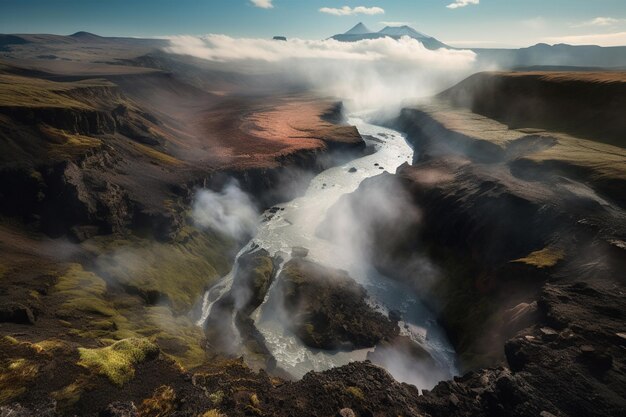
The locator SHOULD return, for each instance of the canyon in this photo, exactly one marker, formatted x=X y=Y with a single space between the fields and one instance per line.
x=476 y=239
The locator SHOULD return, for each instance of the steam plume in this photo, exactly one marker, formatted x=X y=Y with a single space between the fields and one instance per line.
x=230 y=211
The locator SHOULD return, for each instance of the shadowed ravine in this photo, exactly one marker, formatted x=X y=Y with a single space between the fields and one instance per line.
x=295 y=225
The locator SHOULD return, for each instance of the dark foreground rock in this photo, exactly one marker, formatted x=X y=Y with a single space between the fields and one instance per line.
x=329 y=309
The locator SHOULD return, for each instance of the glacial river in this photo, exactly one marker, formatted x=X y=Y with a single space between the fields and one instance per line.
x=295 y=224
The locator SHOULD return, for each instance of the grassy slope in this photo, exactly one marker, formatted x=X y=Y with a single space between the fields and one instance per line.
x=602 y=165
x=36 y=92
x=589 y=105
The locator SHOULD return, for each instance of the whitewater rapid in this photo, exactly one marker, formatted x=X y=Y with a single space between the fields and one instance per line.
x=294 y=223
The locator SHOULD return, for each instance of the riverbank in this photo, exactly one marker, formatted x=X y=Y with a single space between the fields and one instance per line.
x=527 y=237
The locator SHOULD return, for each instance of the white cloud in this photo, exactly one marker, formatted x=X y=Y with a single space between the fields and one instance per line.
x=348 y=11
x=368 y=74
x=225 y=48
x=462 y=3
x=602 y=39
x=601 y=21
x=263 y=4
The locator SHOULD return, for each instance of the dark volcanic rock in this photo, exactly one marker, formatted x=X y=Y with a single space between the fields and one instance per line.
x=16 y=313
x=329 y=308
x=254 y=277
x=299 y=252
x=255 y=272
x=120 y=409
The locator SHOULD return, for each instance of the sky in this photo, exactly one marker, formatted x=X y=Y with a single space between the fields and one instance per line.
x=461 y=23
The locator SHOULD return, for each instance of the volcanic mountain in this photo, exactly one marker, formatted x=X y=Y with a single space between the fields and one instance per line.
x=361 y=32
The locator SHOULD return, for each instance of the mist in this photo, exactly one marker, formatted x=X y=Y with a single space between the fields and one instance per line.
x=229 y=211
x=371 y=74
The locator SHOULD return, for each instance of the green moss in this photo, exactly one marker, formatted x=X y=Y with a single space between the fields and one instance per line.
x=217 y=397
x=52 y=346
x=544 y=258
x=84 y=293
x=138 y=273
x=36 y=92
x=177 y=273
x=117 y=362
x=70 y=394
x=212 y=413
x=64 y=144
x=15 y=377
x=10 y=340
x=356 y=393
x=178 y=336
x=122 y=316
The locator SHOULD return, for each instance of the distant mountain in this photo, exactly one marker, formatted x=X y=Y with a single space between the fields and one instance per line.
x=560 y=55
x=87 y=37
x=402 y=31
x=359 y=29
x=361 y=32
x=9 y=41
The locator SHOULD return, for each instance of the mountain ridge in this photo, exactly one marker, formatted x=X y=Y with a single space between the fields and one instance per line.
x=360 y=32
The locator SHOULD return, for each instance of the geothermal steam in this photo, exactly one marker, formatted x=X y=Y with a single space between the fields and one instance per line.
x=368 y=74
x=230 y=211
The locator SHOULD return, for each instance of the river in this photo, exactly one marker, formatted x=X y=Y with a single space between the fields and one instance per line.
x=295 y=223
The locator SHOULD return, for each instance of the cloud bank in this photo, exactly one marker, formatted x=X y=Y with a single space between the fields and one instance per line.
x=263 y=4
x=349 y=11
x=367 y=74
x=462 y=3
x=602 y=39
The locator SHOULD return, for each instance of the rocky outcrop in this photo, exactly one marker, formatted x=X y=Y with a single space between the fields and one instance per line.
x=568 y=363
x=329 y=309
x=584 y=104
x=229 y=329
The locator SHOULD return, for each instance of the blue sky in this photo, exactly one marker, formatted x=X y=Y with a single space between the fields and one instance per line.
x=488 y=23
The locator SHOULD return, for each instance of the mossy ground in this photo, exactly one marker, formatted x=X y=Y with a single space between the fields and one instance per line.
x=544 y=258
x=143 y=289
x=63 y=144
x=117 y=361
x=213 y=413
x=15 y=376
x=175 y=273
x=23 y=363
x=35 y=92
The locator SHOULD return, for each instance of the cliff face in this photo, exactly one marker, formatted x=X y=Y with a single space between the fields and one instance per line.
x=587 y=105
x=91 y=156
x=526 y=240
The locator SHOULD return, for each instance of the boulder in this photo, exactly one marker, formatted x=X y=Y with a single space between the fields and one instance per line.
x=330 y=310
x=299 y=252
x=16 y=313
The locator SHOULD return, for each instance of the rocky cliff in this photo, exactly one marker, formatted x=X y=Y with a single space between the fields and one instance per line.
x=525 y=242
